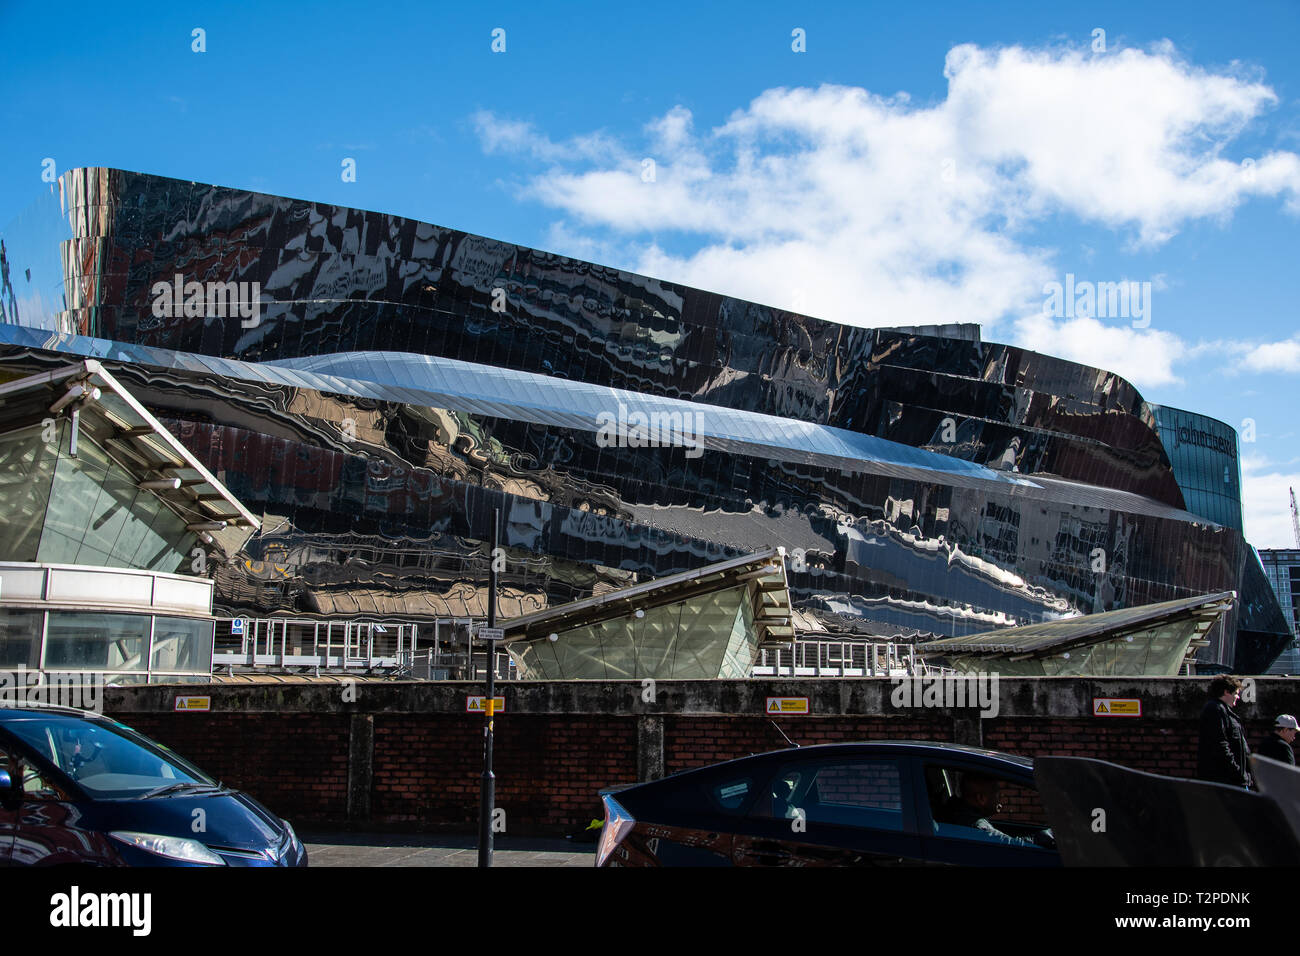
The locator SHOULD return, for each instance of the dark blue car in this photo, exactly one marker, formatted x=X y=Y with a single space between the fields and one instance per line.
x=877 y=803
x=77 y=788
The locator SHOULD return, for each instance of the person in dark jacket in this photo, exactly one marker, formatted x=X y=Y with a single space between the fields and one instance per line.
x=1223 y=753
x=1277 y=745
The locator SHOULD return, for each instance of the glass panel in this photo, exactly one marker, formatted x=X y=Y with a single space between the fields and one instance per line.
x=856 y=793
x=108 y=760
x=182 y=644
x=686 y=640
x=968 y=805
x=26 y=473
x=20 y=633
x=87 y=641
x=98 y=516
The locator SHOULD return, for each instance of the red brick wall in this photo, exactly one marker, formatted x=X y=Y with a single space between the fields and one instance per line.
x=699 y=741
x=427 y=769
x=427 y=766
x=294 y=764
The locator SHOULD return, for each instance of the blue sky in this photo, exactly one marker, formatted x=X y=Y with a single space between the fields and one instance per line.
x=914 y=163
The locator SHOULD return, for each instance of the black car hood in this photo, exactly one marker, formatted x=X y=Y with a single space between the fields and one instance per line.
x=229 y=818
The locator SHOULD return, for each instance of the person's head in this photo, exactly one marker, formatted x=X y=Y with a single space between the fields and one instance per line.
x=1286 y=727
x=1226 y=689
x=980 y=792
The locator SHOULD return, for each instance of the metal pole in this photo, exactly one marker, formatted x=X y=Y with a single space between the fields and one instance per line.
x=487 y=792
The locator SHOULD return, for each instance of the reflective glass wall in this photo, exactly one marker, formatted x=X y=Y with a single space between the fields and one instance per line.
x=385 y=508
x=1203 y=452
x=384 y=504
x=140 y=253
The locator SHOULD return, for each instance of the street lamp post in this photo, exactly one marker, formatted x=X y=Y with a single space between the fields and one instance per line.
x=487 y=790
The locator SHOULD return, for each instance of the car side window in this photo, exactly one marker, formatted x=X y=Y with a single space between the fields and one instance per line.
x=33 y=782
x=967 y=804
x=855 y=793
x=730 y=795
x=37 y=787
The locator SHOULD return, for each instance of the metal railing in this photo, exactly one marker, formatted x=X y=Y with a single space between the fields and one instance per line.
x=436 y=651
x=323 y=645
x=844 y=659
x=429 y=664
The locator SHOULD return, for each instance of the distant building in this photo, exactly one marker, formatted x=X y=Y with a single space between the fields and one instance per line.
x=1282 y=568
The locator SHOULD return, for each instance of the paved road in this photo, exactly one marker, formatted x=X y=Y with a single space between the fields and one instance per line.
x=396 y=849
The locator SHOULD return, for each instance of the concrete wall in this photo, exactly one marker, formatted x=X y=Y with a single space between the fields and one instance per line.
x=407 y=755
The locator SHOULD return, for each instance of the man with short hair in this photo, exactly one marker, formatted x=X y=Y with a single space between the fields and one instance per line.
x=980 y=798
x=1277 y=745
x=1222 y=752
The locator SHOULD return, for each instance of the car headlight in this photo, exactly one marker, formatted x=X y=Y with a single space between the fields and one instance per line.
x=293 y=836
x=173 y=848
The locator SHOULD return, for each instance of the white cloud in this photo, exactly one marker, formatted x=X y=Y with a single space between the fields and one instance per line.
x=1145 y=357
x=871 y=211
x=499 y=135
x=1265 y=496
x=1274 y=357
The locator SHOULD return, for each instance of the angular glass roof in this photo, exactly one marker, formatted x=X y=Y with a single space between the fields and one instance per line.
x=140 y=445
x=1148 y=640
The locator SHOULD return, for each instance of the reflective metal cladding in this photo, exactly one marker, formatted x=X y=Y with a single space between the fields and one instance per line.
x=375 y=386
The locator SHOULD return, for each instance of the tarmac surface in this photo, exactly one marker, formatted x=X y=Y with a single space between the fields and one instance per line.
x=418 y=849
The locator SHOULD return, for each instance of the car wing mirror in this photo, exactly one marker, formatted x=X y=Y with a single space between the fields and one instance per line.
x=9 y=794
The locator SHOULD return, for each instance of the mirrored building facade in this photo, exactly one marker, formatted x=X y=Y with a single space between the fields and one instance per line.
x=373 y=387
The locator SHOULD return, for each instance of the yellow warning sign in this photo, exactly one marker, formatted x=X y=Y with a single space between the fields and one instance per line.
x=476 y=705
x=193 y=703
x=1116 y=707
x=787 y=705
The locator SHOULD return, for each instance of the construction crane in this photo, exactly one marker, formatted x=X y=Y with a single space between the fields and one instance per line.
x=1295 y=519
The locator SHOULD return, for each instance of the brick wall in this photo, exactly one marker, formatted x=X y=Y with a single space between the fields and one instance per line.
x=294 y=764
x=427 y=769
x=558 y=744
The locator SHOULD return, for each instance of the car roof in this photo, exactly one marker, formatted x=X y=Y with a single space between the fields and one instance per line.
x=930 y=748
x=8 y=714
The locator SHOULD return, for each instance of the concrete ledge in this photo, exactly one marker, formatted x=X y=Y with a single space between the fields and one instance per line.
x=1161 y=697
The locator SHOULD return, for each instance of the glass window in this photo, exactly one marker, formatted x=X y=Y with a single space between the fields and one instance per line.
x=732 y=794
x=88 y=641
x=181 y=644
x=26 y=471
x=37 y=787
x=857 y=793
x=20 y=633
x=97 y=515
x=968 y=805
x=106 y=758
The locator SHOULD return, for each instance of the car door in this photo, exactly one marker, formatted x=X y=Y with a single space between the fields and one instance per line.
x=44 y=814
x=48 y=830
x=831 y=811
x=980 y=814
x=9 y=803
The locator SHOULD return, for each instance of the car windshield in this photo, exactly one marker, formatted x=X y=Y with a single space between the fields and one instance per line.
x=107 y=759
